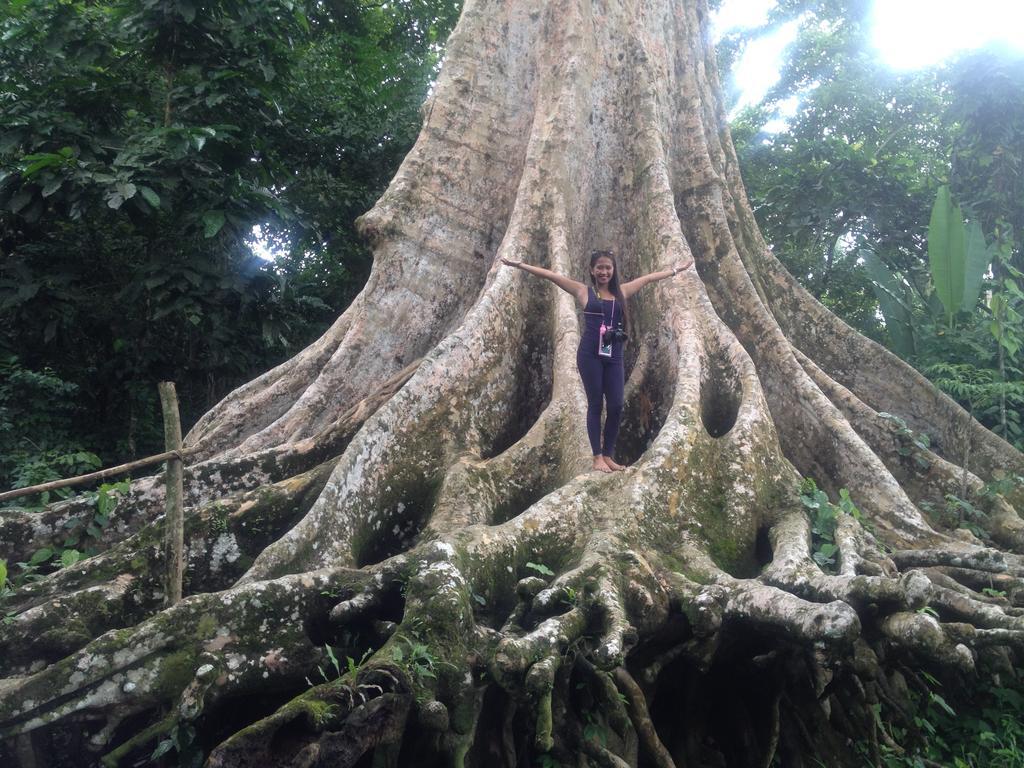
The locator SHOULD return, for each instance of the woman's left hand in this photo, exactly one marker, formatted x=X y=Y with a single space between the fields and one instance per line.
x=679 y=267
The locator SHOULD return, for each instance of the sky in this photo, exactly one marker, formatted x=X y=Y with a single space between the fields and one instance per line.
x=908 y=34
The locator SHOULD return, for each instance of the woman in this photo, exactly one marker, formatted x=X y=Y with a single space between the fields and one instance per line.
x=599 y=357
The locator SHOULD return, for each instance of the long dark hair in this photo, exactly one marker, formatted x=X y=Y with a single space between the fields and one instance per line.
x=613 y=284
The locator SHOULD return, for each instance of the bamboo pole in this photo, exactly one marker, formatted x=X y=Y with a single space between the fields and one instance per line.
x=174 y=493
x=92 y=477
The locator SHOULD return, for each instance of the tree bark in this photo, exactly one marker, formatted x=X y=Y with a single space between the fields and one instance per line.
x=410 y=491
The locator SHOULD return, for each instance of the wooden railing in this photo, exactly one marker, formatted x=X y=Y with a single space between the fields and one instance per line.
x=174 y=455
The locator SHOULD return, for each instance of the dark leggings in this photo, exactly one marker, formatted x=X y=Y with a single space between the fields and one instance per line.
x=603 y=379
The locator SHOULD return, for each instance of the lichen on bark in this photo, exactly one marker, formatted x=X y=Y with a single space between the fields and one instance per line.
x=396 y=554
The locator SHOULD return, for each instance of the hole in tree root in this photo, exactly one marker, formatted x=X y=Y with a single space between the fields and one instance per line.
x=724 y=716
x=395 y=525
x=532 y=373
x=518 y=500
x=235 y=713
x=719 y=396
x=65 y=743
x=646 y=406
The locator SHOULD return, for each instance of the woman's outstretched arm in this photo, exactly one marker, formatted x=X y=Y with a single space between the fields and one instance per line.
x=567 y=284
x=628 y=289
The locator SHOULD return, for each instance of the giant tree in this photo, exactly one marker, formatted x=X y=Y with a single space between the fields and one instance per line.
x=409 y=491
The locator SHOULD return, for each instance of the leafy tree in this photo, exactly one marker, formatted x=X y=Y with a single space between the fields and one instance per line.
x=845 y=192
x=145 y=141
x=856 y=166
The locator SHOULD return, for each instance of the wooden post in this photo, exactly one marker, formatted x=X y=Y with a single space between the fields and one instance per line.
x=175 y=519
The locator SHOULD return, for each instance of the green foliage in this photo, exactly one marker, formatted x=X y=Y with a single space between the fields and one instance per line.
x=182 y=740
x=142 y=142
x=983 y=728
x=978 y=256
x=912 y=444
x=843 y=192
x=37 y=443
x=540 y=568
x=415 y=656
x=959 y=513
x=894 y=301
x=946 y=252
x=854 y=167
x=824 y=517
x=595 y=730
x=5 y=591
x=86 y=532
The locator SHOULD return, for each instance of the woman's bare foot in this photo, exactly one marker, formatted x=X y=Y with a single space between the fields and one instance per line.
x=615 y=467
x=600 y=465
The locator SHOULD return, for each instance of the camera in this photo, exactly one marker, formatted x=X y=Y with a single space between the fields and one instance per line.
x=615 y=334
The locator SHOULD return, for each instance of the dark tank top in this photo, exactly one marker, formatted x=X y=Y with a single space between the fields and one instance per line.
x=596 y=310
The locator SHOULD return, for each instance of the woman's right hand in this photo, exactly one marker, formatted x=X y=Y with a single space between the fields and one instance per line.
x=510 y=262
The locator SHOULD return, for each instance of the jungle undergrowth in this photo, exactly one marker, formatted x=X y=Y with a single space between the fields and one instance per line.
x=84 y=535
x=958 y=513
x=984 y=729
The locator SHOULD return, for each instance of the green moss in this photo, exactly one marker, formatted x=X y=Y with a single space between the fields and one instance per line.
x=206 y=627
x=319 y=713
x=176 y=671
x=680 y=566
x=66 y=638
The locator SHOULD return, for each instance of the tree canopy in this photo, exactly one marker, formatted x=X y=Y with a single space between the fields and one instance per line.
x=142 y=144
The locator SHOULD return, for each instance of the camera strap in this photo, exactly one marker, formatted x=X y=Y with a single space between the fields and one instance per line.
x=611 y=319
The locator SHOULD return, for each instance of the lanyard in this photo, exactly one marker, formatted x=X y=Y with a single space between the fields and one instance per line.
x=610 y=318
x=604 y=326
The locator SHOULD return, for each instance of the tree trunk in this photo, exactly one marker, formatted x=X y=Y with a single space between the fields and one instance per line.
x=410 y=491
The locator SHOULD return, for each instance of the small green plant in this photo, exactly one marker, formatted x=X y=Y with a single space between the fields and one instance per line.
x=416 y=656
x=182 y=739
x=824 y=517
x=352 y=665
x=1002 y=486
x=5 y=592
x=82 y=537
x=912 y=444
x=541 y=569
x=958 y=513
x=547 y=761
x=85 y=532
x=963 y=514
x=334 y=663
x=595 y=730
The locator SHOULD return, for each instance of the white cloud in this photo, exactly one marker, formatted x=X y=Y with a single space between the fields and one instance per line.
x=740 y=14
x=758 y=67
x=919 y=33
